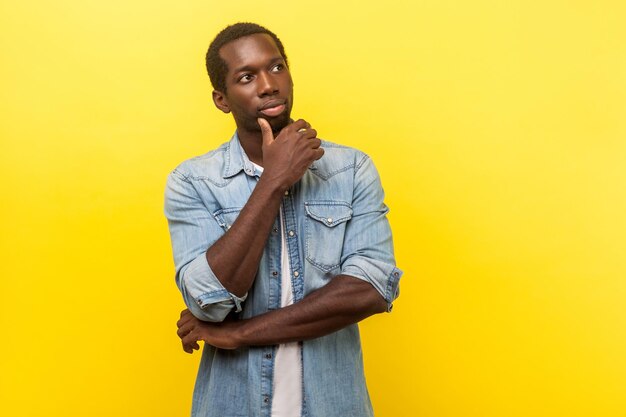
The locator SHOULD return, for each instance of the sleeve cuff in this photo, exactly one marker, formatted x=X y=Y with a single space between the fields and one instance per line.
x=384 y=277
x=205 y=290
x=220 y=296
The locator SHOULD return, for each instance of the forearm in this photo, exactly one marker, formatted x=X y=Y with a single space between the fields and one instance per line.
x=235 y=257
x=343 y=301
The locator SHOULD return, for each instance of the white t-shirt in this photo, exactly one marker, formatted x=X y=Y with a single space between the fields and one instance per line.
x=287 y=392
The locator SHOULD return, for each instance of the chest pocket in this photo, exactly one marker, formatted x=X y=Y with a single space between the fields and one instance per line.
x=226 y=217
x=325 y=226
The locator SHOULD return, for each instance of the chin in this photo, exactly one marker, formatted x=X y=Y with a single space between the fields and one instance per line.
x=280 y=122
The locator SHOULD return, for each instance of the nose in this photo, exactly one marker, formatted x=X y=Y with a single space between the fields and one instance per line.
x=267 y=85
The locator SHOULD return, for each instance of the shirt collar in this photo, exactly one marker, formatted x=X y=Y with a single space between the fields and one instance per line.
x=237 y=160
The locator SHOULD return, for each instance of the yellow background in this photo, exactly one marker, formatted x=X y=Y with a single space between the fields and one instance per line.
x=499 y=131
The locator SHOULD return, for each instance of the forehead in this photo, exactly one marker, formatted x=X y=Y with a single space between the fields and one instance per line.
x=249 y=51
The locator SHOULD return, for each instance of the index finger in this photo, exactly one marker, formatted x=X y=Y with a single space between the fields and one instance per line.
x=300 y=124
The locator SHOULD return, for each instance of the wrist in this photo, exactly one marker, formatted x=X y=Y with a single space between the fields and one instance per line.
x=239 y=334
x=274 y=186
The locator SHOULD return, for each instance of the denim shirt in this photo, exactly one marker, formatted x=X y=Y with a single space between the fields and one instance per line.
x=336 y=223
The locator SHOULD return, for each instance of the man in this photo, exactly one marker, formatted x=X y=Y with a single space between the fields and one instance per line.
x=281 y=245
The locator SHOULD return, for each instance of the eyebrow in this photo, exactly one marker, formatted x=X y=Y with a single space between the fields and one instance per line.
x=252 y=68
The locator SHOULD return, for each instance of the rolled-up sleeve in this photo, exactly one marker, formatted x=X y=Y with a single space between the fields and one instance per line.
x=193 y=229
x=368 y=245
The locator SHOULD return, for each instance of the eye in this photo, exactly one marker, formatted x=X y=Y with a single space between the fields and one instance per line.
x=278 y=68
x=245 y=78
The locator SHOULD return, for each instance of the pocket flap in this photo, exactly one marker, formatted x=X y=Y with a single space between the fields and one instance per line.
x=330 y=213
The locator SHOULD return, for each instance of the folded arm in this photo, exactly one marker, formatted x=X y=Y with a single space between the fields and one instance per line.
x=367 y=284
x=343 y=301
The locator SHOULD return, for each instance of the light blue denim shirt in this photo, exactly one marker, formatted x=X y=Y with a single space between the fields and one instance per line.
x=336 y=223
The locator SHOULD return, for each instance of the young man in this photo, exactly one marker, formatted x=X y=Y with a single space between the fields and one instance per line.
x=281 y=245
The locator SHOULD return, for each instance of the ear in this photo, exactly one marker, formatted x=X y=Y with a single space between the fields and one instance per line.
x=221 y=102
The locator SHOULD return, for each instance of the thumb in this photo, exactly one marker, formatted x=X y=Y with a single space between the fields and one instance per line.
x=266 y=130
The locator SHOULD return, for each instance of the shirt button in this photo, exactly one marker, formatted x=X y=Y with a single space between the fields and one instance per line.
x=268 y=356
x=266 y=400
x=291 y=233
x=395 y=274
x=329 y=220
x=274 y=273
x=275 y=230
x=287 y=192
x=296 y=274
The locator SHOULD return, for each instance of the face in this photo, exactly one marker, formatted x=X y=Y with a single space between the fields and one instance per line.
x=258 y=83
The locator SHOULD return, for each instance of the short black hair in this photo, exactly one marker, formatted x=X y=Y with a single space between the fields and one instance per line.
x=216 y=66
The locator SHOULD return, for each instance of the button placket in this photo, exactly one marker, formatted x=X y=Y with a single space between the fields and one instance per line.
x=293 y=243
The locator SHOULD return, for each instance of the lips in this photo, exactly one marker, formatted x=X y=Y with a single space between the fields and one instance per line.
x=273 y=108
